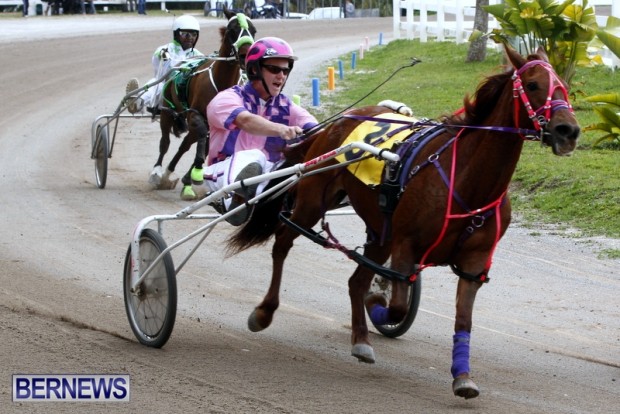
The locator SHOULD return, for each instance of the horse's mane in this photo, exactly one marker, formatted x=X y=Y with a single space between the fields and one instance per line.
x=485 y=99
x=483 y=102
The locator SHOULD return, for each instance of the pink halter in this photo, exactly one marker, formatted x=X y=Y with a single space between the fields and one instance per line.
x=542 y=115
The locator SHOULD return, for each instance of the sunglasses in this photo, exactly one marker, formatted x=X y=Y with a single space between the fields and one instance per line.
x=277 y=69
x=185 y=33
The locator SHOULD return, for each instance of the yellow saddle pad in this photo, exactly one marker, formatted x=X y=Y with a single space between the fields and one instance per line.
x=374 y=133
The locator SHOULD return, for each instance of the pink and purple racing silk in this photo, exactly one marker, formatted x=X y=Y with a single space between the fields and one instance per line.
x=226 y=138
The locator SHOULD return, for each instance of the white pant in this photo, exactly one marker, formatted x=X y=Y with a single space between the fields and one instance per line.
x=223 y=173
x=152 y=96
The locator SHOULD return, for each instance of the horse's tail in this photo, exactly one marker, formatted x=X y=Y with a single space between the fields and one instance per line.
x=262 y=224
x=265 y=219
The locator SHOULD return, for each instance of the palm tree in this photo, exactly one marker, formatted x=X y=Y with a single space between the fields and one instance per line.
x=478 y=47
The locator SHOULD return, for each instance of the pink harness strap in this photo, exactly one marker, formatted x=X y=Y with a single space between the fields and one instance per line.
x=496 y=205
x=541 y=116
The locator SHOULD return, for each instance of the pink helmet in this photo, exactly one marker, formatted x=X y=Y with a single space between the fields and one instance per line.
x=267 y=48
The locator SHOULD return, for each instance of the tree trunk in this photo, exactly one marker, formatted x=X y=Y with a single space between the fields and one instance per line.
x=478 y=48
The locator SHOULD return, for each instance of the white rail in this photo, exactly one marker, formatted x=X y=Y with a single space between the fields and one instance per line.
x=453 y=19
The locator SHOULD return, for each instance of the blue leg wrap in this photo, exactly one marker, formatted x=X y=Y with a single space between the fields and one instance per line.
x=460 y=354
x=379 y=315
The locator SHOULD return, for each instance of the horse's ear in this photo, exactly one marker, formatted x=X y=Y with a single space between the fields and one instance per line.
x=228 y=13
x=541 y=52
x=515 y=58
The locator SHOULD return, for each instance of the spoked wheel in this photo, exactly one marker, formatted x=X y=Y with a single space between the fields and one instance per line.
x=102 y=152
x=384 y=287
x=152 y=306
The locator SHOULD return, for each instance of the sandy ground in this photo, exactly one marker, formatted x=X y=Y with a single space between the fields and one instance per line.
x=547 y=328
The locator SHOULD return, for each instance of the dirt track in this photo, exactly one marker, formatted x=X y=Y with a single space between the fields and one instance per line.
x=547 y=328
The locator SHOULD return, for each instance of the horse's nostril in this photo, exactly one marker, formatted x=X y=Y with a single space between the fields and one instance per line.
x=568 y=131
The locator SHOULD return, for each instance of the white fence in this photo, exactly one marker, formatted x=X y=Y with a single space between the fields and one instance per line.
x=453 y=19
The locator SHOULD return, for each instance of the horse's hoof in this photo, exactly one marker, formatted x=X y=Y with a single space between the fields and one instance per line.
x=168 y=181
x=464 y=387
x=187 y=194
x=373 y=299
x=167 y=184
x=253 y=324
x=156 y=176
x=199 y=190
x=364 y=353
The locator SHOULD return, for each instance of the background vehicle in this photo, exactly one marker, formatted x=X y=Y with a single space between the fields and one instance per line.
x=262 y=9
x=326 y=13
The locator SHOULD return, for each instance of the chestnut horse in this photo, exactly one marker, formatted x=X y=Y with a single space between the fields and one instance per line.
x=185 y=108
x=452 y=205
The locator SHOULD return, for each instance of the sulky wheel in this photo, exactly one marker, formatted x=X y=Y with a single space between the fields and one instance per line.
x=384 y=287
x=101 y=153
x=151 y=307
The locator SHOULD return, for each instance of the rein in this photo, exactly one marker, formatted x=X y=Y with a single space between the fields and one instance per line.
x=310 y=131
x=539 y=117
x=527 y=134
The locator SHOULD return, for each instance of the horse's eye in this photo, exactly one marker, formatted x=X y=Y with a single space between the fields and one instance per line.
x=531 y=86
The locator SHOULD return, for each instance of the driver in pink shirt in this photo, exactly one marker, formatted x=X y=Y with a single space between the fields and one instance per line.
x=250 y=124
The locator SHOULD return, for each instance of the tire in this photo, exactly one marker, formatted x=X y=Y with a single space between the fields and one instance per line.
x=102 y=153
x=151 y=310
x=384 y=286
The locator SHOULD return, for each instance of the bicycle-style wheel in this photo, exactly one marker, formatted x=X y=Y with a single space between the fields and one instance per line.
x=151 y=307
x=384 y=287
x=102 y=153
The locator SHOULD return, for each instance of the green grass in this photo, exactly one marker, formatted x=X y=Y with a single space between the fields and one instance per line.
x=581 y=192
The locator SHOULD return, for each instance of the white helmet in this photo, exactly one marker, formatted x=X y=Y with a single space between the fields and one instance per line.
x=186 y=22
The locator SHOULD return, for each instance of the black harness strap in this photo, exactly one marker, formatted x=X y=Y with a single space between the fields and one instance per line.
x=481 y=277
x=351 y=254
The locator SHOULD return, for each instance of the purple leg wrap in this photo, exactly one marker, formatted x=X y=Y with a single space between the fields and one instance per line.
x=379 y=315
x=460 y=354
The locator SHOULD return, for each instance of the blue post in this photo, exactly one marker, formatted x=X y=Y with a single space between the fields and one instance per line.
x=316 y=99
x=380 y=38
x=353 y=60
x=340 y=69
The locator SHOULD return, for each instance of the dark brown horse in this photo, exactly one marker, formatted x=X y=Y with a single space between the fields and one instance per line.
x=184 y=107
x=451 y=206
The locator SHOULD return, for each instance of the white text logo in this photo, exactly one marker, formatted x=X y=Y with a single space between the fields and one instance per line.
x=70 y=387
